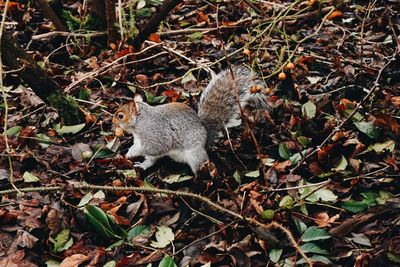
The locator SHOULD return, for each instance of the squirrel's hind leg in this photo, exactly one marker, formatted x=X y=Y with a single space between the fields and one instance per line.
x=147 y=163
x=195 y=158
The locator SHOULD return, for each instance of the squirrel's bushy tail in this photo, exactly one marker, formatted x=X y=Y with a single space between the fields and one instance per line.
x=218 y=107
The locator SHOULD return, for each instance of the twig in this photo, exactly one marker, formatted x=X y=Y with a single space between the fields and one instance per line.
x=204 y=200
x=109 y=66
x=68 y=34
x=336 y=129
x=8 y=150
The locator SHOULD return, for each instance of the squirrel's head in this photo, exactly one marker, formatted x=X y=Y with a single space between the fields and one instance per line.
x=125 y=117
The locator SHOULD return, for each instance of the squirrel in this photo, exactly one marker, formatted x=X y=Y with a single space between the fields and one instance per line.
x=175 y=130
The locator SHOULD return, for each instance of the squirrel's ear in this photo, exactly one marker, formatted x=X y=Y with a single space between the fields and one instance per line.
x=138 y=98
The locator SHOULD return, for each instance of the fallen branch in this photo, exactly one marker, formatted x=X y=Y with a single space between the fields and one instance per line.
x=193 y=196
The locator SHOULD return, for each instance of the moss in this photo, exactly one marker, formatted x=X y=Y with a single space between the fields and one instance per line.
x=67 y=108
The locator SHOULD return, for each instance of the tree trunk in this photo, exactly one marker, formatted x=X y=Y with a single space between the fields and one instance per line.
x=15 y=58
x=111 y=20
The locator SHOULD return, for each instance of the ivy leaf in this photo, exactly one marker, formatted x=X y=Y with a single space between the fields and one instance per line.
x=62 y=241
x=275 y=254
x=368 y=128
x=314 y=233
x=309 y=110
x=284 y=152
x=253 y=174
x=164 y=236
x=313 y=248
x=381 y=147
x=188 y=77
x=68 y=129
x=342 y=165
x=30 y=177
x=167 y=261
x=13 y=130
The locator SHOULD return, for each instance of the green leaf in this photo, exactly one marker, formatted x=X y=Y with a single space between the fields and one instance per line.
x=85 y=199
x=253 y=174
x=167 y=261
x=13 y=130
x=115 y=245
x=237 y=177
x=103 y=223
x=394 y=257
x=68 y=129
x=62 y=241
x=314 y=233
x=129 y=174
x=300 y=225
x=188 y=77
x=357 y=117
x=309 y=110
x=284 y=152
x=177 y=178
x=381 y=147
x=30 y=177
x=164 y=236
x=322 y=194
x=52 y=263
x=275 y=254
x=103 y=153
x=313 y=248
x=361 y=239
x=368 y=128
x=356 y=206
x=84 y=94
x=316 y=258
x=341 y=166
x=286 y=202
x=137 y=230
x=43 y=140
x=304 y=141
x=268 y=214
x=303 y=209
x=144 y=12
x=195 y=36
x=110 y=264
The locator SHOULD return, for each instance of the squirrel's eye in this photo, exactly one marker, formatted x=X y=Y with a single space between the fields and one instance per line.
x=120 y=116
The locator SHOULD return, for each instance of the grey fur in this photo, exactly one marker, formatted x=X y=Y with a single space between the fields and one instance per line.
x=219 y=104
x=175 y=130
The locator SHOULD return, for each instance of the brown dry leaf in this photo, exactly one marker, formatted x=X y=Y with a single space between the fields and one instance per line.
x=315 y=169
x=16 y=260
x=339 y=135
x=396 y=101
x=345 y=104
x=202 y=17
x=172 y=94
x=74 y=260
x=25 y=239
x=335 y=14
x=53 y=221
x=387 y=121
x=323 y=219
x=154 y=37
x=325 y=152
x=143 y=80
x=281 y=166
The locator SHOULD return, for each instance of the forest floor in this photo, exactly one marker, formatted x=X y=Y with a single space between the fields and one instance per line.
x=320 y=169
